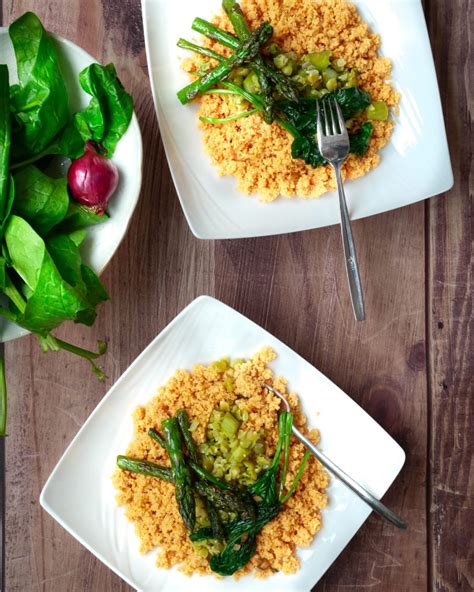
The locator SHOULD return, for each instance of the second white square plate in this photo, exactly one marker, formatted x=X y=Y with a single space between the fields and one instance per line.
x=415 y=164
x=80 y=496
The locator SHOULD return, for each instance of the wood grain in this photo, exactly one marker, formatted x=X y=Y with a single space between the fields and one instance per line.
x=449 y=313
x=408 y=365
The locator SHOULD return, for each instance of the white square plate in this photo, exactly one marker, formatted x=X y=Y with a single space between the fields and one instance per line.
x=415 y=164
x=80 y=496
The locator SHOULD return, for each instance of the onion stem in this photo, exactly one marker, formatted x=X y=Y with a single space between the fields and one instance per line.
x=229 y=118
x=294 y=485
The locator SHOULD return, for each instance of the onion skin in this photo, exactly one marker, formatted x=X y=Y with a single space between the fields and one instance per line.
x=92 y=179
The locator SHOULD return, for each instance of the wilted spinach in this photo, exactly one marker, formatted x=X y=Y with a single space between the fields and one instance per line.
x=302 y=116
x=360 y=140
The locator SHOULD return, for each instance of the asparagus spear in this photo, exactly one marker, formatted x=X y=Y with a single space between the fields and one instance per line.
x=237 y=18
x=182 y=476
x=183 y=422
x=245 y=52
x=226 y=500
x=144 y=467
x=154 y=435
x=282 y=83
x=215 y=520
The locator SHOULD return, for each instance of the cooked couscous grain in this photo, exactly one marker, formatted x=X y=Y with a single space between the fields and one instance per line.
x=259 y=155
x=150 y=503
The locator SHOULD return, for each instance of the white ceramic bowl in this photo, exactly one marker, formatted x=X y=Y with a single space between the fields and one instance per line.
x=79 y=492
x=415 y=163
x=102 y=240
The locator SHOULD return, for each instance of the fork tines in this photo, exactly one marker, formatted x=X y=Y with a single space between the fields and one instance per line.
x=332 y=123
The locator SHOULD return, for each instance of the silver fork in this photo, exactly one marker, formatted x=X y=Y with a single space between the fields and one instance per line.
x=356 y=487
x=333 y=141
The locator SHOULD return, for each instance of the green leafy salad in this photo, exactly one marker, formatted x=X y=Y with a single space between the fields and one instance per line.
x=281 y=86
x=43 y=216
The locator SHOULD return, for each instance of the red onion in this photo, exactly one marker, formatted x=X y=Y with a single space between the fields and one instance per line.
x=92 y=179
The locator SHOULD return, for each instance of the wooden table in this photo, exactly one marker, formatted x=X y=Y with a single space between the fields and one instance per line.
x=409 y=365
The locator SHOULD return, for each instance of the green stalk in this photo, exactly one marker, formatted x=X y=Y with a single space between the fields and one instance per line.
x=247 y=51
x=205 y=51
x=282 y=83
x=144 y=467
x=31 y=160
x=209 y=30
x=184 y=491
x=183 y=421
x=7 y=314
x=207 y=476
x=281 y=438
x=12 y=293
x=257 y=102
x=286 y=452
x=230 y=117
x=3 y=394
x=55 y=344
x=154 y=435
x=298 y=476
x=220 y=91
x=237 y=18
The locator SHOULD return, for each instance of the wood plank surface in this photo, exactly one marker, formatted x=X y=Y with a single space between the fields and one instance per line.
x=449 y=313
x=408 y=365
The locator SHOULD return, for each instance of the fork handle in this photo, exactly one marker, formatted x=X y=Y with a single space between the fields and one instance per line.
x=358 y=489
x=350 y=255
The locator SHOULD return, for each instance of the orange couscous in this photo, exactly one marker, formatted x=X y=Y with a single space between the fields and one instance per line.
x=150 y=503
x=259 y=155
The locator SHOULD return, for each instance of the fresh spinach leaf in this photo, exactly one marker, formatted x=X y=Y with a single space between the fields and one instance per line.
x=51 y=300
x=360 y=140
x=110 y=110
x=67 y=257
x=26 y=250
x=5 y=129
x=104 y=120
x=39 y=103
x=77 y=237
x=68 y=143
x=41 y=200
x=79 y=217
x=96 y=293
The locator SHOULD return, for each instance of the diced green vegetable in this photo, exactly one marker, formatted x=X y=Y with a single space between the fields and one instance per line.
x=251 y=83
x=221 y=365
x=230 y=425
x=338 y=64
x=378 y=110
x=320 y=60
